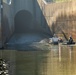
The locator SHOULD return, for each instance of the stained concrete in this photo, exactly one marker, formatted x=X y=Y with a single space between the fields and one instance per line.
x=23 y=17
x=26 y=16
x=0 y=27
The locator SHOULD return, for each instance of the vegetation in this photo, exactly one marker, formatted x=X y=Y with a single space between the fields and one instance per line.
x=61 y=0
x=57 y=0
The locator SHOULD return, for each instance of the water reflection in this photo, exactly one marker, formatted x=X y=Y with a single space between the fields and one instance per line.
x=59 y=60
x=70 y=52
x=56 y=61
x=67 y=60
x=68 y=47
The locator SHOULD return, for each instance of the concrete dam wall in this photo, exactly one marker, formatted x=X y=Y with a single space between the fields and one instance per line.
x=29 y=17
x=0 y=27
x=22 y=17
x=61 y=17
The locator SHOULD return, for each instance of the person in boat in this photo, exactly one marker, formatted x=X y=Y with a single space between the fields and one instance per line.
x=70 y=41
x=55 y=35
x=55 y=39
x=60 y=40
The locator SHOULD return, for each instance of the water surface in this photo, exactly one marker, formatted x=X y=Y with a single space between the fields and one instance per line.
x=51 y=60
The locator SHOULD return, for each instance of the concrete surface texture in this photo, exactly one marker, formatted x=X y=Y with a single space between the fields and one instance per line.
x=0 y=27
x=23 y=16
x=26 y=16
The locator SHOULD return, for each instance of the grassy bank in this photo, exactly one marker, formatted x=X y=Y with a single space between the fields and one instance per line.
x=61 y=0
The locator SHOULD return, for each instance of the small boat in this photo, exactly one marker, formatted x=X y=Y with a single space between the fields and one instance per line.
x=66 y=43
x=69 y=42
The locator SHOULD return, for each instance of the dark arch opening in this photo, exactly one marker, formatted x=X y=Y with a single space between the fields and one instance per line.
x=23 y=21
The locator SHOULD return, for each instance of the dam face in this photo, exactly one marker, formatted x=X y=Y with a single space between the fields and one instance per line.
x=0 y=27
x=22 y=17
x=43 y=17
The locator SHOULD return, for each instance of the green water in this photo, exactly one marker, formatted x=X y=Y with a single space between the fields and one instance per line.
x=55 y=61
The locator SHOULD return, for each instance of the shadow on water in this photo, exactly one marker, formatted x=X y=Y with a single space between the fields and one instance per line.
x=35 y=62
